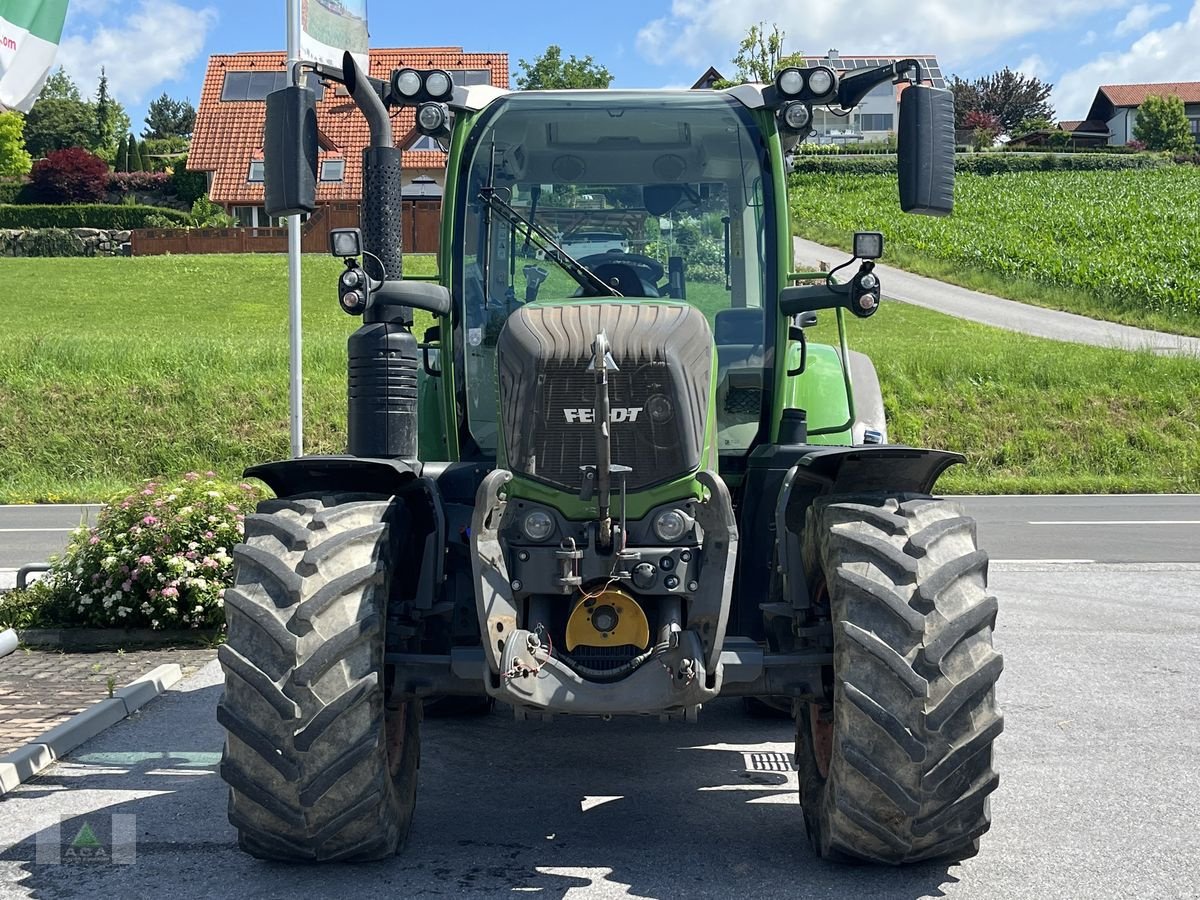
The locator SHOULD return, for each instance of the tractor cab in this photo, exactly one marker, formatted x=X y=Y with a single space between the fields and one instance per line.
x=679 y=187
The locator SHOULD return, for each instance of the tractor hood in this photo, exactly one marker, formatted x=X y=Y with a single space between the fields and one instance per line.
x=659 y=383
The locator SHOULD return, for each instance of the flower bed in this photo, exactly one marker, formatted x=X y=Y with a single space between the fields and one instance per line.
x=158 y=558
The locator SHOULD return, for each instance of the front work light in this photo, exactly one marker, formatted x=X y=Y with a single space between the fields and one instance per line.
x=407 y=82
x=438 y=85
x=790 y=82
x=868 y=244
x=821 y=81
x=345 y=243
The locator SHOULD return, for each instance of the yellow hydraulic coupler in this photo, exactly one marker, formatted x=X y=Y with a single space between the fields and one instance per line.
x=607 y=618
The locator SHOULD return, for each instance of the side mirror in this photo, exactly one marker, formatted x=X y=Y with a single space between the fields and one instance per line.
x=925 y=150
x=290 y=152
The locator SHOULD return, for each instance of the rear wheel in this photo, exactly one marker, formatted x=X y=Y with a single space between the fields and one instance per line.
x=321 y=765
x=897 y=766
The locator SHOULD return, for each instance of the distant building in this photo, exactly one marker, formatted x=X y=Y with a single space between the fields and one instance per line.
x=1114 y=111
x=708 y=79
x=228 y=136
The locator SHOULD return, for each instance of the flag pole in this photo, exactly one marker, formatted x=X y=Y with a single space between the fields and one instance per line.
x=295 y=368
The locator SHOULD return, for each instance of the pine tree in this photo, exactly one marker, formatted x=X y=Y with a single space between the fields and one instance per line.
x=135 y=156
x=103 y=132
x=121 y=161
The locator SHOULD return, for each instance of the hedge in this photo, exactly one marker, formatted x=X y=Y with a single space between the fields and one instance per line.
x=984 y=163
x=85 y=215
x=15 y=192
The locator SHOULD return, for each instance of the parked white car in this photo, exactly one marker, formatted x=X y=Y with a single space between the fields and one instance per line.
x=589 y=243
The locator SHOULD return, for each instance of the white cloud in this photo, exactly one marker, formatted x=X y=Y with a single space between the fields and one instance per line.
x=1139 y=18
x=703 y=32
x=1034 y=67
x=1088 y=39
x=152 y=44
x=1167 y=54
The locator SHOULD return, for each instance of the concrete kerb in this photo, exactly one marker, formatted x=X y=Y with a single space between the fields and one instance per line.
x=25 y=762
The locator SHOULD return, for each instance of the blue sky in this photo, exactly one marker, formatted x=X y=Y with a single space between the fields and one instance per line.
x=151 y=46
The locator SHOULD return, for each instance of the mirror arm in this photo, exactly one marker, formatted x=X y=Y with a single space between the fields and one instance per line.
x=795 y=300
x=853 y=88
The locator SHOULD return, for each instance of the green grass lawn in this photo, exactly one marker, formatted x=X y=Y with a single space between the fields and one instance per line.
x=114 y=370
x=1116 y=245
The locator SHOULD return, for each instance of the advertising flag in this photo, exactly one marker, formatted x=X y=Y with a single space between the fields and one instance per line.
x=29 y=35
x=330 y=27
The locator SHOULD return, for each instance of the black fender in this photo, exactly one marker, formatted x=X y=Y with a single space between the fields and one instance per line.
x=423 y=519
x=819 y=471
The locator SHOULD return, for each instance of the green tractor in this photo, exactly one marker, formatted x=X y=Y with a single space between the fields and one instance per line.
x=613 y=478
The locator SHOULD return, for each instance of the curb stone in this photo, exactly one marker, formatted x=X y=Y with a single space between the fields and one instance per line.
x=22 y=764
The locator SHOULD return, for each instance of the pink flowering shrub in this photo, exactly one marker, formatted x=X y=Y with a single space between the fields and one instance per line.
x=158 y=558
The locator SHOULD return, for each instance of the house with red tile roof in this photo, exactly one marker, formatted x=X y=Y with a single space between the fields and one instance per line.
x=228 y=137
x=1116 y=106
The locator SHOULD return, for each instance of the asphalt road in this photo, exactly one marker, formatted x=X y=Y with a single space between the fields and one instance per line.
x=1008 y=314
x=1009 y=528
x=1098 y=795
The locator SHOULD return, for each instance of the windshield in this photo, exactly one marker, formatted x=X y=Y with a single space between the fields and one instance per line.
x=659 y=195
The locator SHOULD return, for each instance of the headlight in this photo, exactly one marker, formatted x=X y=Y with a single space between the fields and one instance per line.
x=538 y=525
x=659 y=409
x=796 y=116
x=790 y=82
x=820 y=81
x=670 y=525
x=431 y=117
x=408 y=82
x=438 y=84
x=868 y=282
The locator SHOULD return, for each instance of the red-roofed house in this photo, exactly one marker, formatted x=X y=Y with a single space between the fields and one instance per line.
x=1116 y=105
x=228 y=136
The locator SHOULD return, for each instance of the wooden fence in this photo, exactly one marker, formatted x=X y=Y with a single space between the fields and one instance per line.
x=422 y=228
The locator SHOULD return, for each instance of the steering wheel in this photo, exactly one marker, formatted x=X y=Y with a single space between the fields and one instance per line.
x=650 y=266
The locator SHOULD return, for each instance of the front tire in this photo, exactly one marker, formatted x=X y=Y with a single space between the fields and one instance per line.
x=320 y=764
x=897 y=767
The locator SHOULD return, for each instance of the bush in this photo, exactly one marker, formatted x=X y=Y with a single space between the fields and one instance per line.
x=97 y=215
x=126 y=183
x=188 y=186
x=69 y=176
x=986 y=163
x=158 y=558
x=14 y=192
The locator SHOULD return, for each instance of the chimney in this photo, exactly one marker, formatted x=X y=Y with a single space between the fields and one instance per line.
x=832 y=54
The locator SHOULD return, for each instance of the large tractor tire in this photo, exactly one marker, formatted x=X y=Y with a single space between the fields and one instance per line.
x=897 y=767
x=320 y=764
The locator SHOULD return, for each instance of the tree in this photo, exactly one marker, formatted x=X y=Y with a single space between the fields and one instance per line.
x=1162 y=124
x=59 y=86
x=14 y=158
x=984 y=128
x=104 y=104
x=70 y=176
x=760 y=56
x=136 y=163
x=166 y=118
x=551 y=72
x=1009 y=96
x=121 y=160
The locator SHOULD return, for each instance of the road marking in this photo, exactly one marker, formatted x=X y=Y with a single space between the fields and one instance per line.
x=23 y=530
x=592 y=802
x=1118 y=522
x=1055 y=561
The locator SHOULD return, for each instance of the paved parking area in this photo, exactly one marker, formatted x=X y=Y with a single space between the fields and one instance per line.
x=40 y=689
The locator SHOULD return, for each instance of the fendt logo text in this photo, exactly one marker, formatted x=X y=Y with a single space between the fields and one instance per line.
x=588 y=417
